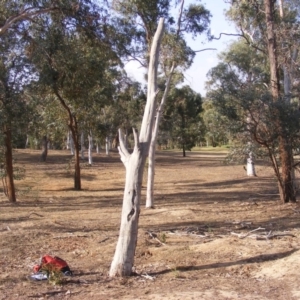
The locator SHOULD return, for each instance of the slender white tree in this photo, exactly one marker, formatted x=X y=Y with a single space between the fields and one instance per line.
x=151 y=156
x=107 y=146
x=98 y=148
x=90 y=149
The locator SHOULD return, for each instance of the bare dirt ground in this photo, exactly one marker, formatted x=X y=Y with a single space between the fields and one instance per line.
x=191 y=246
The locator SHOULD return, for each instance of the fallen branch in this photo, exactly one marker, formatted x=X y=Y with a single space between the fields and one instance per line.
x=270 y=236
x=148 y=276
x=261 y=237
x=154 y=236
x=70 y=235
x=242 y=236
x=33 y=213
x=243 y=223
x=104 y=240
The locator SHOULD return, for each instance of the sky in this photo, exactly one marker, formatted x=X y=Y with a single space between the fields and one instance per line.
x=195 y=76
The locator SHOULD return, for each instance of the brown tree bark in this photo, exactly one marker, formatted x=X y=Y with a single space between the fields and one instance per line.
x=285 y=182
x=72 y=124
x=9 y=179
x=44 y=149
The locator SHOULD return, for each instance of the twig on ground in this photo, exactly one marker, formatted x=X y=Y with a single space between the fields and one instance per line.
x=33 y=213
x=243 y=223
x=260 y=237
x=242 y=236
x=154 y=236
x=104 y=240
x=70 y=235
x=270 y=236
x=148 y=276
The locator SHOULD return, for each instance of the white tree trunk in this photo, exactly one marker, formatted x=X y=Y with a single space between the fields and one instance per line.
x=27 y=141
x=97 y=148
x=151 y=156
x=82 y=145
x=72 y=149
x=107 y=145
x=134 y=163
x=90 y=151
x=250 y=165
x=68 y=140
x=250 y=169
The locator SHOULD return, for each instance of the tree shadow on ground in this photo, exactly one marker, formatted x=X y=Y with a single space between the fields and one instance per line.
x=250 y=260
x=216 y=228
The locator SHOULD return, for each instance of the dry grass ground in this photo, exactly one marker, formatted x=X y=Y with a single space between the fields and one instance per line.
x=185 y=244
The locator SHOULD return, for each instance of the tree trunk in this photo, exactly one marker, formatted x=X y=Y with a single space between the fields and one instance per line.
x=44 y=149
x=286 y=183
x=82 y=145
x=90 y=150
x=68 y=140
x=134 y=163
x=27 y=141
x=77 y=177
x=107 y=145
x=288 y=78
x=73 y=127
x=250 y=165
x=151 y=156
x=183 y=150
x=9 y=179
x=72 y=150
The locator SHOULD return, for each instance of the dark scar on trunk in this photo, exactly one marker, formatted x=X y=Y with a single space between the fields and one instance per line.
x=129 y=216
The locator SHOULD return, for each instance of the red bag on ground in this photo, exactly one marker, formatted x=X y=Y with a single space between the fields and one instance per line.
x=51 y=263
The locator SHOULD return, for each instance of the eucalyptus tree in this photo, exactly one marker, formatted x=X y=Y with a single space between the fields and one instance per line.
x=14 y=13
x=215 y=133
x=176 y=56
x=277 y=38
x=238 y=87
x=13 y=108
x=183 y=114
x=16 y=17
x=74 y=61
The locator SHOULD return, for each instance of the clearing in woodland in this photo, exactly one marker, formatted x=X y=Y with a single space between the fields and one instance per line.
x=214 y=232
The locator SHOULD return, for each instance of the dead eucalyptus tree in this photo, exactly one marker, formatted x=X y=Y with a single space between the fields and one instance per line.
x=134 y=164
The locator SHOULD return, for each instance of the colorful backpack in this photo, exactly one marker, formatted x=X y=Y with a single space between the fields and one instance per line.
x=50 y=264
